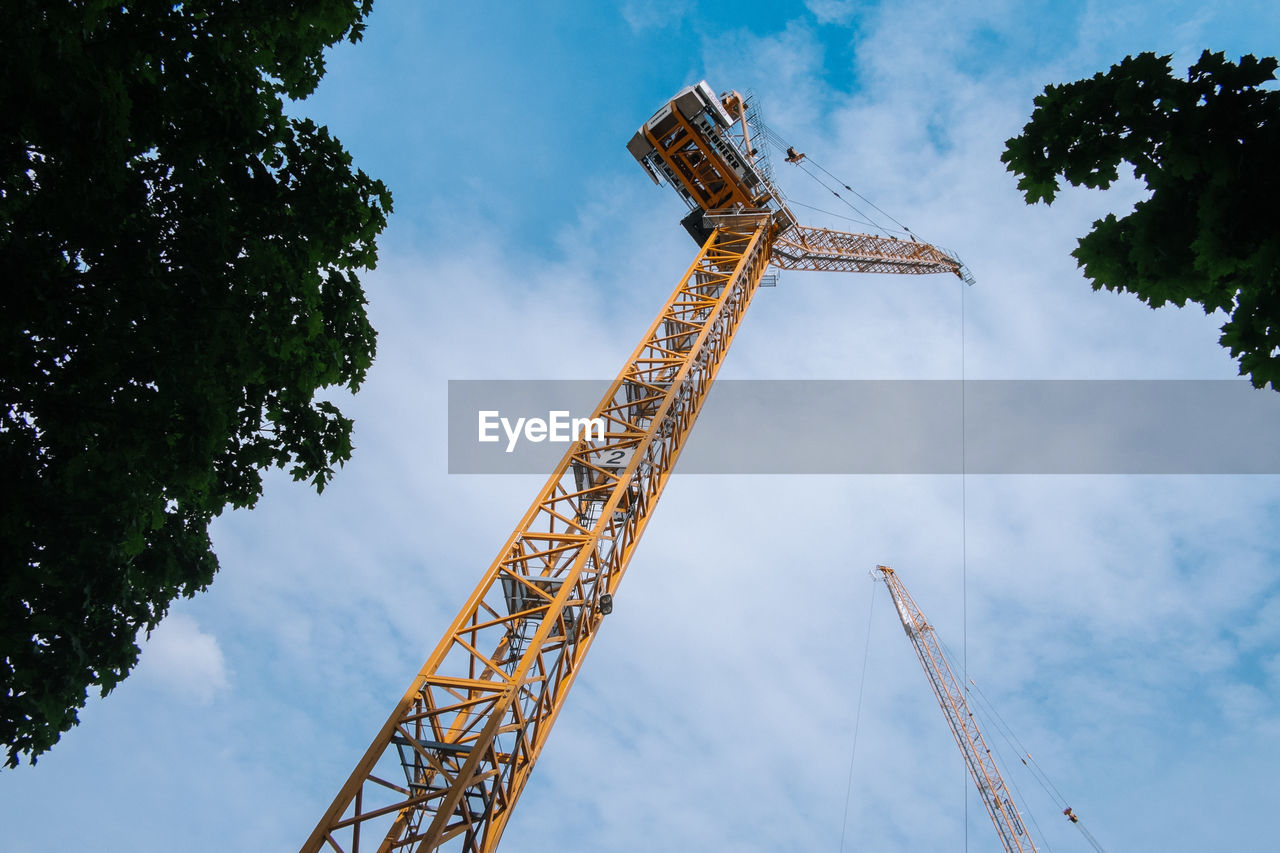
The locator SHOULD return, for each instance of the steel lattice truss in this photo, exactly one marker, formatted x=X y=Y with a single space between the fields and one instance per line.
x=947 y=690
x=447 y=767
x=805 y=248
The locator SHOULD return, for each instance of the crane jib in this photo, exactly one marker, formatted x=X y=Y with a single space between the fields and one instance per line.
x=964 y=727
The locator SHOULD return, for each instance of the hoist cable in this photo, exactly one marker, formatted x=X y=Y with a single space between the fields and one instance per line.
x=964 y=528
x=1088 y=836
x=984 y=713
x=782 y=146
x=858 y=194
x=992 y=720
x=1024 y=755
x=829 y=213
x=1019 y=798
x=877 y=225
x=857 y=717
x=1002 y=759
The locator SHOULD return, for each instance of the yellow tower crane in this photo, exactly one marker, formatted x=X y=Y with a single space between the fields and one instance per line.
x=977 y=757
x=445 y=770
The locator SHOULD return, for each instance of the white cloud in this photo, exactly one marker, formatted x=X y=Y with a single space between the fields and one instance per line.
x=833 y=11
x=643 y=15
x=184 y=660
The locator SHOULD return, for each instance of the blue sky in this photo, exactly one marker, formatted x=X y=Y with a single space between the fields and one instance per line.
x=1128 y=628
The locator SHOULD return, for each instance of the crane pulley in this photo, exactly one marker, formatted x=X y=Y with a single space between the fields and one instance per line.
x=447 y=767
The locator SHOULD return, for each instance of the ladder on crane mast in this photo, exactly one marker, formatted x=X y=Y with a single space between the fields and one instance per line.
x=446 y=769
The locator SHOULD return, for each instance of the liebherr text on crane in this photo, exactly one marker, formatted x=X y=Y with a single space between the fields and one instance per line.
x=446 y=769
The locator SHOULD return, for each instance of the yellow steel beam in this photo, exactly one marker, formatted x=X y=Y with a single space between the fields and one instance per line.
x=467 y=732
x=805 y=248
x=702 y=169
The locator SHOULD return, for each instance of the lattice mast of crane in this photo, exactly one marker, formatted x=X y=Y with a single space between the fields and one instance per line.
x=964 y=727
x=447 y=767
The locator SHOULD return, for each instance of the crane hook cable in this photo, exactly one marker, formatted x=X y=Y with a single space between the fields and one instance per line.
x=870 y=221
x=992 y=720
x=1002 y=727
x=859 y=195
x=795 y=203
x=782 y=145
x=979 y=711
x=857 y=717
x=964 y=529
x=1006 y=731
x=1033 y=766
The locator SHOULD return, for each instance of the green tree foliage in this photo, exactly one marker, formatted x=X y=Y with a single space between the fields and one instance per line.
x=179 y=261
x=1208 y=148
